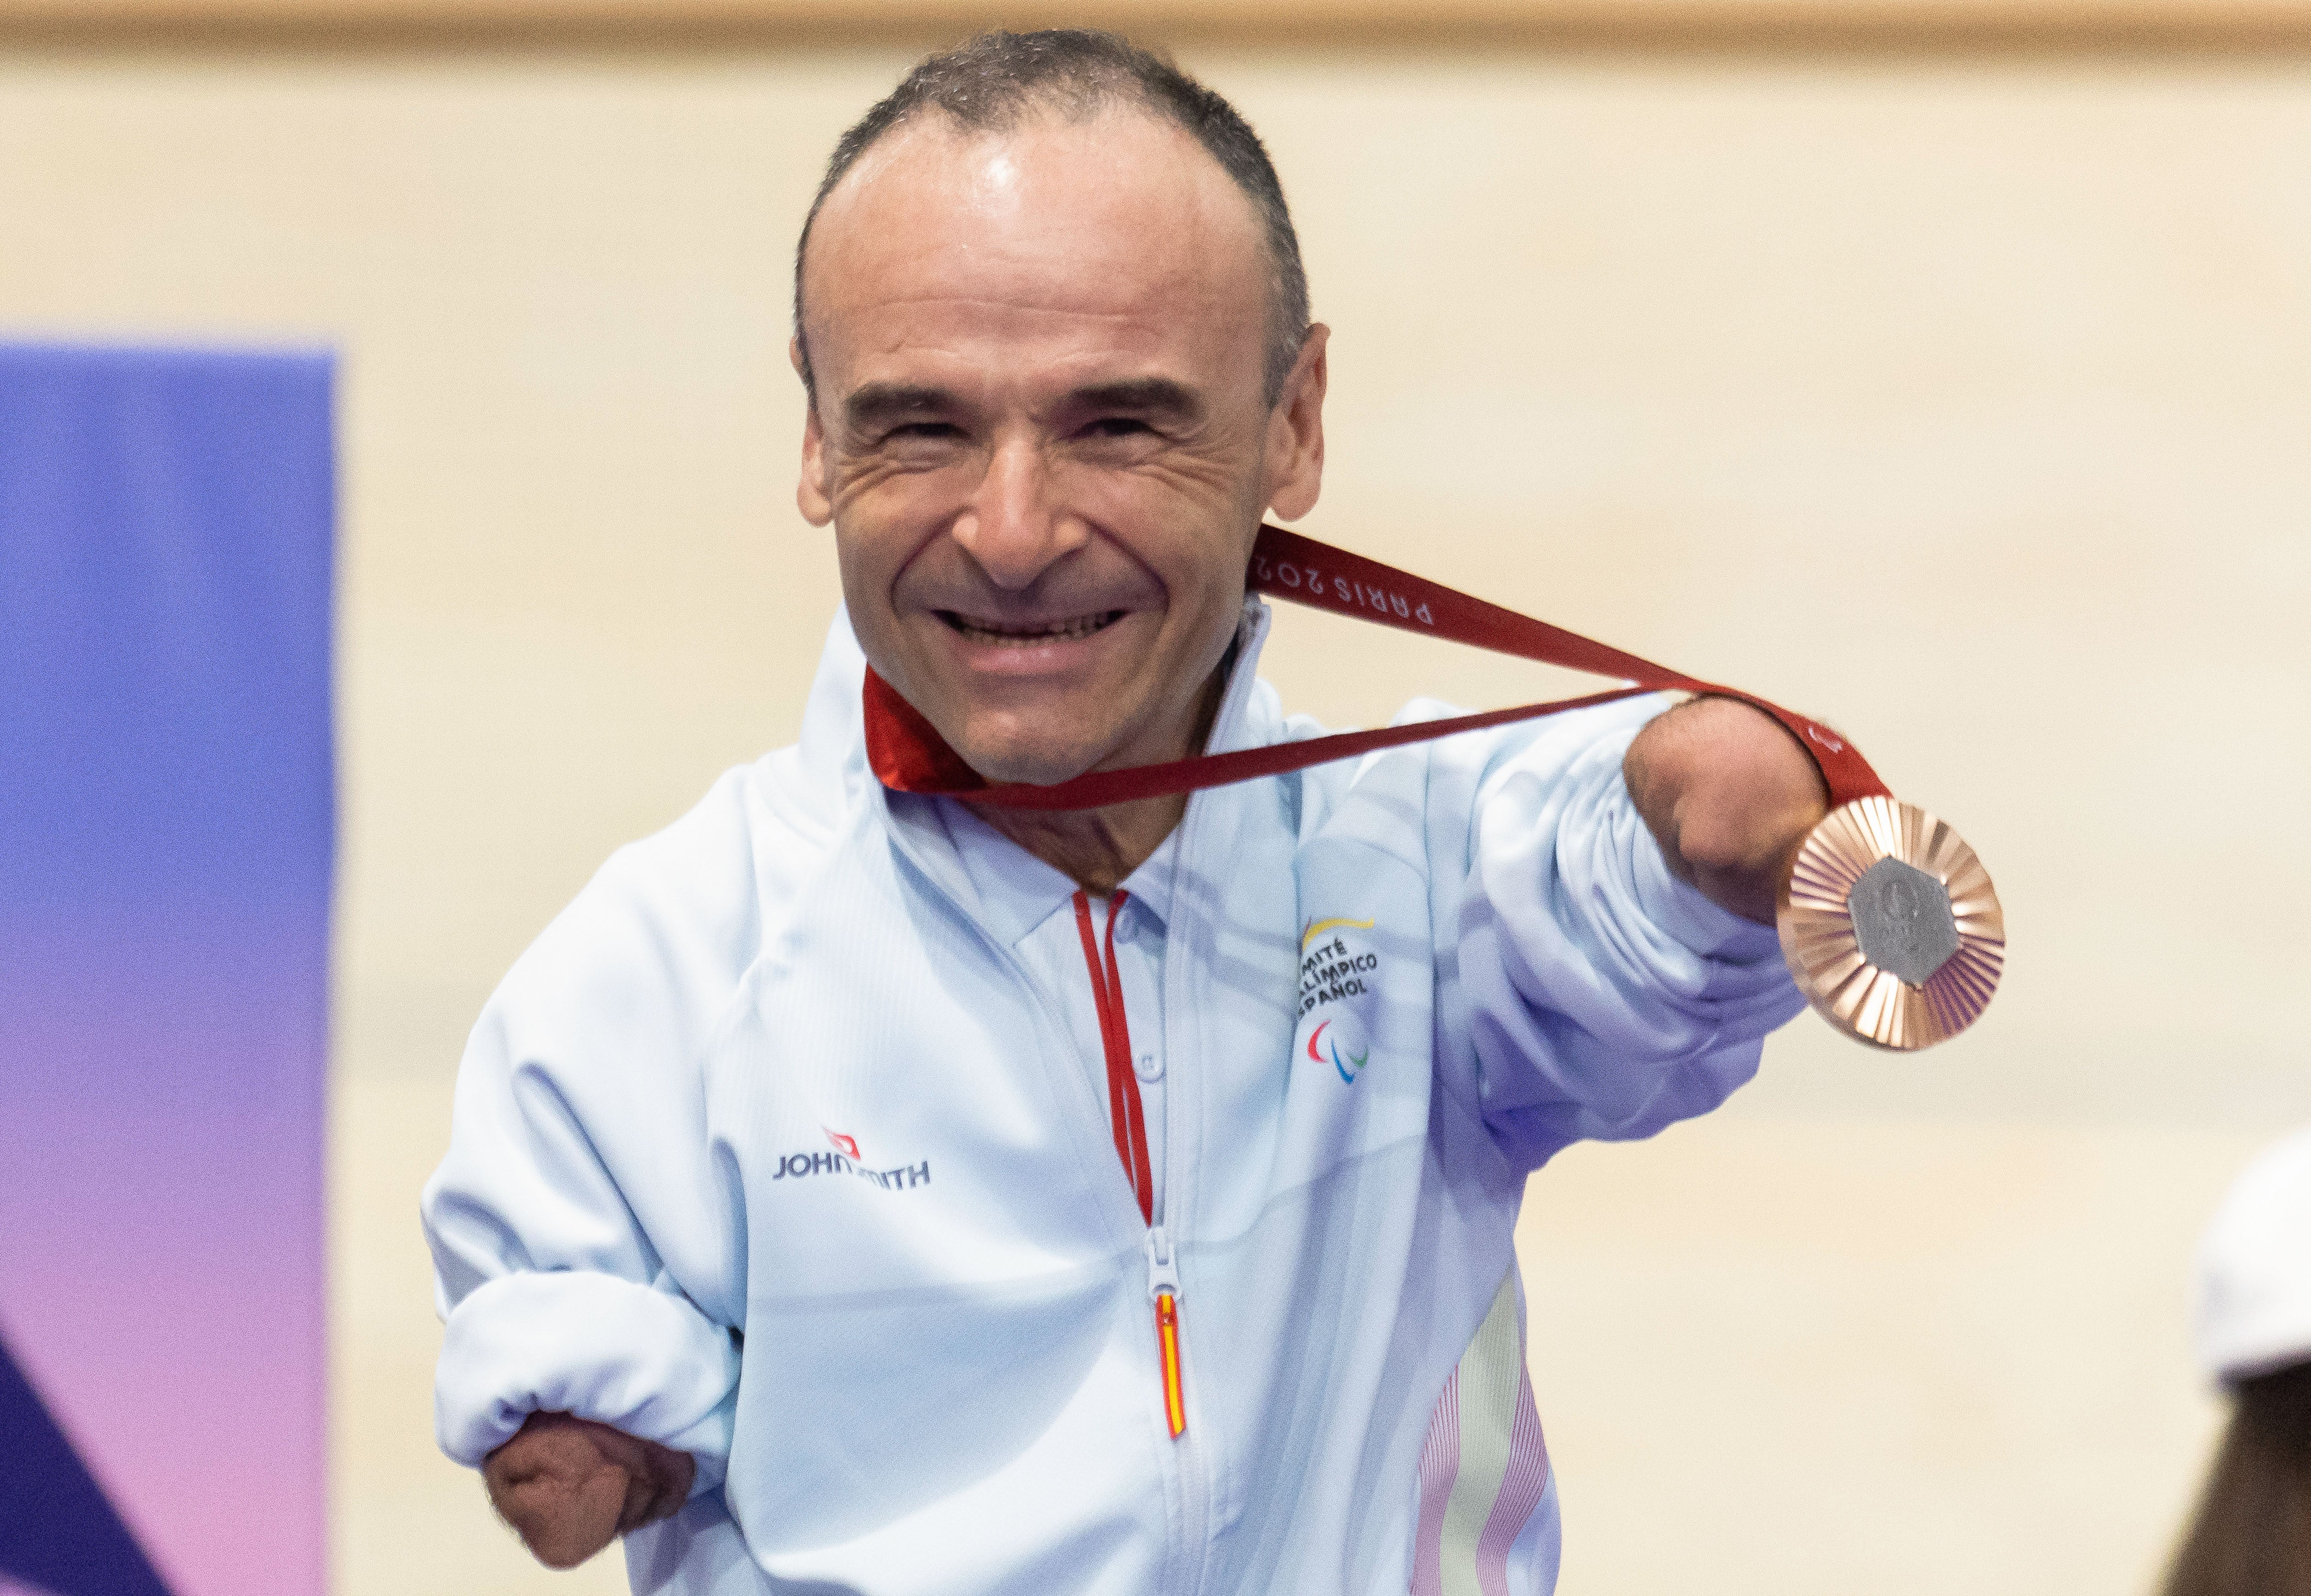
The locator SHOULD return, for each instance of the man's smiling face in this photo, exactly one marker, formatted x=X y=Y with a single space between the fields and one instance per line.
x=1040 y=430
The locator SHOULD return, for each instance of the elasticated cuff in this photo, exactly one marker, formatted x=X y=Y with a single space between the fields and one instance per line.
x=641 y=1360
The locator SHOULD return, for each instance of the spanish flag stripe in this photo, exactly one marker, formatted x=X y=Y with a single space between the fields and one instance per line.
x=1167 y=1333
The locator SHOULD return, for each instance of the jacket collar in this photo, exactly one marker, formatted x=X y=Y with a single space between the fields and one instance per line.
x=1249 y=717
x=1015 y=892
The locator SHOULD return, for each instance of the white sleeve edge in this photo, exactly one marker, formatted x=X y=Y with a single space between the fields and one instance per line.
x=639 y=1359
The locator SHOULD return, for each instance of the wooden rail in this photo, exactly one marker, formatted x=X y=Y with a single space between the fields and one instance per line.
x=2060 y=24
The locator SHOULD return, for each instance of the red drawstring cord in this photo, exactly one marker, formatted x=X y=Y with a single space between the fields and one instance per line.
x=1115 y=1040
x=1130 y=1121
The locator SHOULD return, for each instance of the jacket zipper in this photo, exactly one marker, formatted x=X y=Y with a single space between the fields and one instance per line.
x=1189 y=1555
x=1164 y=1291
x=1131 y=1128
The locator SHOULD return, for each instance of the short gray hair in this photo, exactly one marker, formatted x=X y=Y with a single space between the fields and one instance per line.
x=996 y=80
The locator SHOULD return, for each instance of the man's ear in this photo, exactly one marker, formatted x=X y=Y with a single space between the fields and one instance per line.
x=810 y=489
x=1296 y=432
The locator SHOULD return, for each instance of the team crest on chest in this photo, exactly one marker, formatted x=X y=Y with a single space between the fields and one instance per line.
x=1338 y=978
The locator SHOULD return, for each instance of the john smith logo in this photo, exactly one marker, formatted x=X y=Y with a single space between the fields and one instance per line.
x=1341 y=1043
x=845 y=1161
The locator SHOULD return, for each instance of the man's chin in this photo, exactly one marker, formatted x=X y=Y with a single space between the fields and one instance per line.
x=1037 y=749
x=1038 y=765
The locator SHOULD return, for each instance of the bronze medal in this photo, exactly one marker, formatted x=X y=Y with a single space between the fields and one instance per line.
x=1890 y=925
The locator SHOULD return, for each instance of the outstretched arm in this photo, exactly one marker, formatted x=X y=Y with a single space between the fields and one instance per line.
x=1729 y=797
x=570 y=1486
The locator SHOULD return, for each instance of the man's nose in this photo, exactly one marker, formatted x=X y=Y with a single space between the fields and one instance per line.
x=1010 y=527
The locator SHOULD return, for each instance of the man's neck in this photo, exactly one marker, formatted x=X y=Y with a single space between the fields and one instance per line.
x=1098 y=849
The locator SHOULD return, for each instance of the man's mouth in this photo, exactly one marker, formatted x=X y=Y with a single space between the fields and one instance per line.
x=1021 y=634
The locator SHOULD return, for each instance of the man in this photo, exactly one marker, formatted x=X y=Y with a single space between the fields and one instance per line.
x=861 y=1191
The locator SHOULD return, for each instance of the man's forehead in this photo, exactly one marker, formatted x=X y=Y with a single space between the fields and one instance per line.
x=1092 y=211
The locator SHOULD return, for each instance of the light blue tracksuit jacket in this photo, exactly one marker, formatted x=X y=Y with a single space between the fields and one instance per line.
x=767 y=1151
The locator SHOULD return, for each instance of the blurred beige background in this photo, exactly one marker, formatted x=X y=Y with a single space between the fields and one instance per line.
x=1963 y=398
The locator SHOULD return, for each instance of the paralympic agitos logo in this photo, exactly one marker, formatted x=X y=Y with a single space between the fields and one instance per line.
x=1341 y=1041
x=846 y=1160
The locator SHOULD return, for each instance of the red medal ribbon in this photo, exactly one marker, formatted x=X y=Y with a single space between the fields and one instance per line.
x=909 y=755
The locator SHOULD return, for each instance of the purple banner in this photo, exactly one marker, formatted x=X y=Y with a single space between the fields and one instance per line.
x=167 y=832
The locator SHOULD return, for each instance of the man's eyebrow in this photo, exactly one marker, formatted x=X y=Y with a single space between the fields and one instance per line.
x=1157 y=396
x=879 y=402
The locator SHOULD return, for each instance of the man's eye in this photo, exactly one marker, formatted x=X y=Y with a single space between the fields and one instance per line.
x=923 y=429
x=1117 y=426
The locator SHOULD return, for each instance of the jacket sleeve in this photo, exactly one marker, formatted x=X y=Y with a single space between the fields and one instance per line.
x=1602 y=998
x=587 y=1248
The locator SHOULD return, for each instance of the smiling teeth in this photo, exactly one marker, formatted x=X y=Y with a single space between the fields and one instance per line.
x=1002 y=635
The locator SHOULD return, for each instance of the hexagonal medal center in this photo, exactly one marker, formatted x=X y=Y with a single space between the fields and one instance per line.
x=1902 y=917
